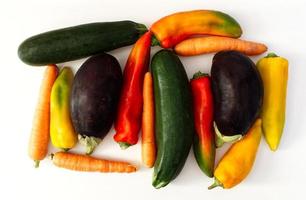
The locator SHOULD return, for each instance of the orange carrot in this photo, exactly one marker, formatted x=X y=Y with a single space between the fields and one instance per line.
x=39 y=139
x=148 y=137
x=87 y=163
x=210 y=44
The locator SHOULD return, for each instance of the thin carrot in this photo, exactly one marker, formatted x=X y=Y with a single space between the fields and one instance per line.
x=87 y=163
x=39 y=139
x=148 y=138
x=210 y=44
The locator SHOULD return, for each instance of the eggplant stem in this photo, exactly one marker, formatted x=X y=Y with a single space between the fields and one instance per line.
x=89 y=142
x=221 y=139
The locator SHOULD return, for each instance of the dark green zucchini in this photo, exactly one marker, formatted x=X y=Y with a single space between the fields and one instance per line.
x=238 y=92
x=173 y=114
x=78 y=42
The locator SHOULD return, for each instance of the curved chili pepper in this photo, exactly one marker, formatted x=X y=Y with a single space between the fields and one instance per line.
x=204 y=140
x=238 y=161
x=128 y=120
x=172 y=29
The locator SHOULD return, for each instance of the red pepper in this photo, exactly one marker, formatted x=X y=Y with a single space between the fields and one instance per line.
x=204 y=141
x=128 y=120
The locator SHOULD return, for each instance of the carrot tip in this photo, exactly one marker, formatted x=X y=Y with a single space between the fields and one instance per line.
x=36 y=163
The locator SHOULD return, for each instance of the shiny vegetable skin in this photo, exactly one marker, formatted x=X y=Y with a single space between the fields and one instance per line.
x=274 y=73
x=204 y=140
x=95 y=94
x=62 y=133
x=129 y=114
x=77 y=42
x=238 y=93
x=174 y=126
x=238 y=161
x=174 y=28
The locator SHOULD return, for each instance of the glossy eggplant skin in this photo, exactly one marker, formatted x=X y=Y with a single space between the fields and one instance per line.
x=237 y=90
x=95 y=94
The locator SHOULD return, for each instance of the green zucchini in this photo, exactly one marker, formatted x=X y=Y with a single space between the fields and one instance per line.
x=173 y=114
x=78 y=42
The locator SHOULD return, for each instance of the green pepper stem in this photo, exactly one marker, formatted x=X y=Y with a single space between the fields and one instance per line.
x=271 y=55
x=216 y=183
x=124 y=145
x=199 y=74
x=154 y=41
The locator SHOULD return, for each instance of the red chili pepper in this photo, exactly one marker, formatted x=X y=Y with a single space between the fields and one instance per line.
x=204 y=141
x=128 y=120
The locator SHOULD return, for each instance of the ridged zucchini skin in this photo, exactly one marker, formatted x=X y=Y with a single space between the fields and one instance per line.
x=174 y=127
x=78 y=42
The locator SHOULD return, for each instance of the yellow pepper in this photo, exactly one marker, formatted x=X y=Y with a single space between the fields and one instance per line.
x=274 y=73
x=238 y=160
x=62 y=132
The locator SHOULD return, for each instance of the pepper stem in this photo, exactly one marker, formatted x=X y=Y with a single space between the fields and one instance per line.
x=90 y=143
x=199 y=74
x=221 y=139
x=216 y=183
x=271 y=55
x=124 y=145
x=154 y=41
x=36 y=163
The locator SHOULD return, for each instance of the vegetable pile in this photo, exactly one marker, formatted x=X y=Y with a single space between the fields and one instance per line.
x=238 y=102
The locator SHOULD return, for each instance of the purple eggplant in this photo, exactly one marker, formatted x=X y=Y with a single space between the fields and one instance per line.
x=238 y=93
x=95 y=94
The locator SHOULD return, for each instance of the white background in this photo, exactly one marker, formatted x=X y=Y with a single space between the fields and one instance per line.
x=281 y=175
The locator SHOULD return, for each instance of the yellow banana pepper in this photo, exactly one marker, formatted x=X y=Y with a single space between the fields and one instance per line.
x=274 y=73
x=238 y=160
x=62 y=132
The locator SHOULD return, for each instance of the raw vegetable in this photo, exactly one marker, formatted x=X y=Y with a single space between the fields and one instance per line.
x=238 y=92
x=204 y=137
x=173 y=115
x=62 y=131
x=172 y=29
x=210 y=44
x=274 y=73
x=87 y=163
x=128 y=119
x=40 y=134
x=148 y=148
x=238 y=161
x=78 y=42
x=95 y=94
